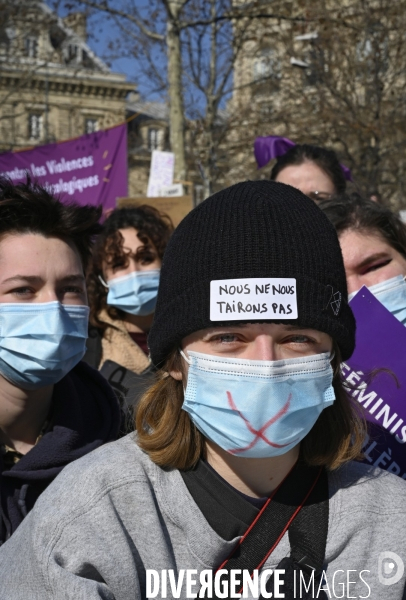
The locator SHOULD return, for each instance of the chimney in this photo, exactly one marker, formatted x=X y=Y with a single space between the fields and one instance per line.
x=77 y=22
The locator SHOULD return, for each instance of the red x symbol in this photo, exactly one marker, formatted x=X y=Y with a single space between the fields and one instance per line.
x=259 y=433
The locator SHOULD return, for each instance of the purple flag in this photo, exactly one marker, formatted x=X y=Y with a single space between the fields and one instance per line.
x=376 y=374
x=91 y=169
x=269 y=147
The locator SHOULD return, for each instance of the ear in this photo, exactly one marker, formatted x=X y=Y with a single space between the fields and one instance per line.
x=178 y=375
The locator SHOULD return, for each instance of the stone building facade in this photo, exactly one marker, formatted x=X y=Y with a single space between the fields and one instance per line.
x=52 y=86
x=325 y=73
x=148 y=130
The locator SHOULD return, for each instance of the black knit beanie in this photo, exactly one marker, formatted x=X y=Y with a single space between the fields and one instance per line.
x=256 y=230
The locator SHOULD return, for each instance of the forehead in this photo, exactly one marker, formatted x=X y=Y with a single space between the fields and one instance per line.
x=130 y=237
x=307 y=173
x=31 y=253
x=356 y=245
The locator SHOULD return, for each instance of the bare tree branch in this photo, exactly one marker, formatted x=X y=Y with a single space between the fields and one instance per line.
x=135 y=19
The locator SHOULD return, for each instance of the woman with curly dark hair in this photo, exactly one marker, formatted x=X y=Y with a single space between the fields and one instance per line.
x=123 y=285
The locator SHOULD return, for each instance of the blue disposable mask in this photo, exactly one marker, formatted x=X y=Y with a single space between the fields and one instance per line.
x=257 y=408
x=135 y=293
x=392 y=294
x=41 y=343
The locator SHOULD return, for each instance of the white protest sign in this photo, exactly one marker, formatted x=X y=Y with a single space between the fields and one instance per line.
x=161 y=172
x=176 y=189
x=265 y=298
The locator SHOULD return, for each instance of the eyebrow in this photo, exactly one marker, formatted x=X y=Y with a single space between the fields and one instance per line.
x=371 y=258
x=295 y=327
x=287 y=327
x=37 y=279
x=72 y=278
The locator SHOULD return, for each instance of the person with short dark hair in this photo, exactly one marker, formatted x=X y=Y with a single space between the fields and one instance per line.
x=123 y=286
x=53 y=408
x=373 y=243
x=243 y=461
x=313 y=170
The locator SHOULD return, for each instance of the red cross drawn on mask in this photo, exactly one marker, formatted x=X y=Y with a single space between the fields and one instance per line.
x=259 y=433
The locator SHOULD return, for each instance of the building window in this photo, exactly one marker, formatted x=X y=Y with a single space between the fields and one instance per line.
x=318 y=66
x=153 y=139
x=267 y=65
x=372 y=53
x=73 y=54
x=4 y=42
x=31 y=46
x=35 y=126
x=91 y=125
x=86 y=60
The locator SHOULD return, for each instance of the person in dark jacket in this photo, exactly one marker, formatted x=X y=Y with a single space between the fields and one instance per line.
x=53 y=408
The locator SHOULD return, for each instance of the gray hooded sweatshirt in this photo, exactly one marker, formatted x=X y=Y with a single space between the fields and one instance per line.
x=113 y=517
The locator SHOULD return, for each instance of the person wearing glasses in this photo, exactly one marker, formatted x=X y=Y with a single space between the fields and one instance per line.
x=313 y=170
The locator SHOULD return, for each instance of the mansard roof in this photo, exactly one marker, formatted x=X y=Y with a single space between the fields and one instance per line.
x=54 y=55
x=74 y=38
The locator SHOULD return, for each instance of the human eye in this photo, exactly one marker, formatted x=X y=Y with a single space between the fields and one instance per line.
x=376 y=265
x=299 y=340
x=22 y=292
x=145 y=256
x=72 y=292
x=73 y=289
x=118 y=261
x=118 y=264
x=225 y=339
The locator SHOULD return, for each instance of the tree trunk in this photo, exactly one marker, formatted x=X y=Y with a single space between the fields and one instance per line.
x=211 y=107
x=176 y=112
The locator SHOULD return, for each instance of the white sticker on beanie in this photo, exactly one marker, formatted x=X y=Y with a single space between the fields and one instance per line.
x=262 y=298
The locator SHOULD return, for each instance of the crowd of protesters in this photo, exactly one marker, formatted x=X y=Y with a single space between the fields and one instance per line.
x=200 y=426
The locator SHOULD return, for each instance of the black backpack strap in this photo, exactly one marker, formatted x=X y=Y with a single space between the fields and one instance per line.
x=308 y=537
x=93 y=353
x=129 y=387
x=302 y=487
x=308 y=533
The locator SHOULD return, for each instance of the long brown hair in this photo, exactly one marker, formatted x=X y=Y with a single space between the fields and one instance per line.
x=171 y=439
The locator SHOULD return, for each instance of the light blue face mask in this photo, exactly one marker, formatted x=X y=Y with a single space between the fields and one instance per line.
x=257 y=409
x=392 y=294
x=135 y=293
x=41 y=343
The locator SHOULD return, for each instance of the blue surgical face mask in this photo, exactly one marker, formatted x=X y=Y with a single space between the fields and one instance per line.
x=257 y=409
x=135 y=293
x=41 y=343
x=392 y=294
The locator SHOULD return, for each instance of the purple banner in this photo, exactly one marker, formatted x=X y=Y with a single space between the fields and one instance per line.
x=376 y=375
x=91 y=169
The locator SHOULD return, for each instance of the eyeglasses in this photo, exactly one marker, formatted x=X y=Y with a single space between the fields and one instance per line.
x=319 y=196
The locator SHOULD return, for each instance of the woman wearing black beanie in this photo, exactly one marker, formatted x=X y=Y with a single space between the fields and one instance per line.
x=241 y=477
